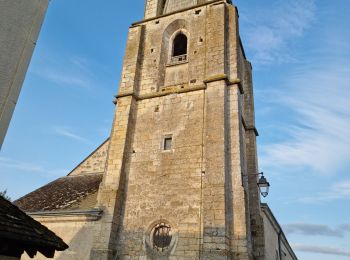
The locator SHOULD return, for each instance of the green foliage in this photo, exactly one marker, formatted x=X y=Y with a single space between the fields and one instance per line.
x=4 y=195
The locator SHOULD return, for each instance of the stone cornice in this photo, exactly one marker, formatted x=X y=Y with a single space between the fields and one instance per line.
x=73 y=215
x=249 y=128
x=181 y=89
x=253 y=128
x=164 y=92
x=169 y=91
x=229 y=81
x=178 y=11
x=216 y=77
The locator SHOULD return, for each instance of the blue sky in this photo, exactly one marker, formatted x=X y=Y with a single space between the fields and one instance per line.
x=301 y=58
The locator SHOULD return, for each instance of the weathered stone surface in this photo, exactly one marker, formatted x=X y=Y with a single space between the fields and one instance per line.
x=196 y=186
x=95 y=163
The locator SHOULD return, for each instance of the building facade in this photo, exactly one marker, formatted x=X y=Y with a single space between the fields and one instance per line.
x=178 y=177
x=20 y=23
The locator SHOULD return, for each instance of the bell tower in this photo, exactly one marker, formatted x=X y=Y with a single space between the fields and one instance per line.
x=180 y=180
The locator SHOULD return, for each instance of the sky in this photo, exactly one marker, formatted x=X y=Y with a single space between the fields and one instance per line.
x=300 y=54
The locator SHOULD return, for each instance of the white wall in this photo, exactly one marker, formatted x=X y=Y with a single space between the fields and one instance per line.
x=20 y=23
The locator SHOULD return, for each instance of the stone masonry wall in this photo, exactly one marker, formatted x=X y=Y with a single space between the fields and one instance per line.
x=175 y=5
x=197 y=187
x=165 y=185
x=94 y=163
x=153 y=7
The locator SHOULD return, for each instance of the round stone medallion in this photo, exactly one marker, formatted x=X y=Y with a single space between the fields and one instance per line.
x=161 y=237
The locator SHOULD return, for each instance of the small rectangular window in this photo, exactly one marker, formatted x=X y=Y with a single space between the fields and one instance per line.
x=167 y=143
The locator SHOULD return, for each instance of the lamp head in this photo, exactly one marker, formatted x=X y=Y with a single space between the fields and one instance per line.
x=264 y=186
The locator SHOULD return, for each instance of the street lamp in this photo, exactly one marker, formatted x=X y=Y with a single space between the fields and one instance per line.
x=264 y=185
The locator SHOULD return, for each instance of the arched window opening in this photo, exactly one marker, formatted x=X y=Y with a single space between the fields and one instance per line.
x=179 y=48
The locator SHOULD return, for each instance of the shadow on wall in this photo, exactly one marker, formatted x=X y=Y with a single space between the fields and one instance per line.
x=80 y=245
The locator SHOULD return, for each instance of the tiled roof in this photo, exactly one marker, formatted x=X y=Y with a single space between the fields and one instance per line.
x=61 y=194
x=19 y=229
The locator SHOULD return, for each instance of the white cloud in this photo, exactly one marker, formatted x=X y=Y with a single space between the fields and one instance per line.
x=8 y=163
x=64 y=78
x=321 y=250
x=309 y=117
x=318 y=140
x=64 y=70
x=23 y=166
x=268 y=35
x=316 y=230
x=345 y=227
x=66 y=132
x=338 y=191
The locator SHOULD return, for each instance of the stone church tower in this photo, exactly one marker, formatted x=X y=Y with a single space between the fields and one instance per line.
x=183 y=143
x=177 y=179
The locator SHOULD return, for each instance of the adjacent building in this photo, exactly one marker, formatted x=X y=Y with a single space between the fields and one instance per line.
x=20 y=233
x=20 y=23
x=177 y=179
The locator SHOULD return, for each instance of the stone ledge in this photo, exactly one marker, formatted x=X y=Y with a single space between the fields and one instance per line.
x=178 y=11
x=73 y=215
x=249 y=128
x=178 y=90
x=168 y=91
x=172 y=64
x=214 y=78
x=229 y=81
